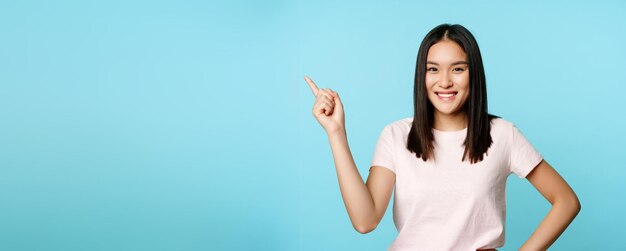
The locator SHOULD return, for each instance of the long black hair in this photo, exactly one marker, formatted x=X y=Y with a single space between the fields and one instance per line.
x=478 y=138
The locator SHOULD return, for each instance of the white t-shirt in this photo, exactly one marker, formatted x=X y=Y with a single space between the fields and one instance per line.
x=446 y=204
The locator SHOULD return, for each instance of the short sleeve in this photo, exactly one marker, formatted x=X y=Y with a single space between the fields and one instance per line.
x=383 y=152
x=524 y=157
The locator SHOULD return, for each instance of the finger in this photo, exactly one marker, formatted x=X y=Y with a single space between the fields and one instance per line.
x=327 y=94
x=312 y=85
x=327 y=107
x=323 y=108
x=334 y=93
x=327 y=111
x=330 y=105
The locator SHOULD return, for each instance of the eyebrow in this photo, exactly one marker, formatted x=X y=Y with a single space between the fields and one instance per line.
x=455 y=63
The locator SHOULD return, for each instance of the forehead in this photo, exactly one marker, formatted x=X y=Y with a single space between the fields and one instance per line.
x=446 y=51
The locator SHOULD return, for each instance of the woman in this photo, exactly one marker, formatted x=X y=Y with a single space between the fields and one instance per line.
x=448 y=163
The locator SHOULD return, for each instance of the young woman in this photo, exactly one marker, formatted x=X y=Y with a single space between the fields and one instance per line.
x=448 y=163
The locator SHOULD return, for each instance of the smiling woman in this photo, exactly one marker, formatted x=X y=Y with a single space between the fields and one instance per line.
x=449 y=163
x=449 y=68
x=447 y=79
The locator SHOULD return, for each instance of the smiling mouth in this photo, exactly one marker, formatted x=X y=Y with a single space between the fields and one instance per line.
x=446 y=94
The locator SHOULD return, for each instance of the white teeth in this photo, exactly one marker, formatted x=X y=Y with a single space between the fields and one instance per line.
x=446 y=95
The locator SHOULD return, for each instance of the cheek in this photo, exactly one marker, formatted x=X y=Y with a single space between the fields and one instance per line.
x=463 y=82
x=430 y=80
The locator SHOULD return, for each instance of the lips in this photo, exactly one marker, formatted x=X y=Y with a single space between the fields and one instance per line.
x=446 y=95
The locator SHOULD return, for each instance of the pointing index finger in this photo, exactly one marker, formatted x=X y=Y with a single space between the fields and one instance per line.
x=312 y=85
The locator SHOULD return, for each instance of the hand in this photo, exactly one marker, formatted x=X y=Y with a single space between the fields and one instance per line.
x=328 y=109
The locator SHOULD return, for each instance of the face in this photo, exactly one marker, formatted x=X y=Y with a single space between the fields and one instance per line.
x=447 y=77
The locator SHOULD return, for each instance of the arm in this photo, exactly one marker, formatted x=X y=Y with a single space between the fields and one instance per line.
x=565 y=206
x=365 y=203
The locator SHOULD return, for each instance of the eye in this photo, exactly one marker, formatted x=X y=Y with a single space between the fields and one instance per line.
x=458 y=69
x=431 y=69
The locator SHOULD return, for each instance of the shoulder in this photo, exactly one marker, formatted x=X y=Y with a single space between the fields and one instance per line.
x=400 y=125
x=397 y=127
x=498 y=123
x=501 y=127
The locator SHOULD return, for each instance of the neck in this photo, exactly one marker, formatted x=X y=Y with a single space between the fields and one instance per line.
x=450 y=122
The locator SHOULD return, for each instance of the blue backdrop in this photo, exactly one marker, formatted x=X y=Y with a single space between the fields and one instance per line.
x=186 y=125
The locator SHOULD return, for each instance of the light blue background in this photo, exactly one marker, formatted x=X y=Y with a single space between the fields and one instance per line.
x=186 y=125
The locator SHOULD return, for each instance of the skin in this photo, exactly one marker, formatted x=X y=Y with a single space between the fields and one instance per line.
x=366 y=202
x=447 y=72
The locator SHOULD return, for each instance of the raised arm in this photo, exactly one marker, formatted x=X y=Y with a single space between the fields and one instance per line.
x=365 y=202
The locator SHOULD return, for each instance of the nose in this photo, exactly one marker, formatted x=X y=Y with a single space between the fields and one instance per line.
x=445 y=81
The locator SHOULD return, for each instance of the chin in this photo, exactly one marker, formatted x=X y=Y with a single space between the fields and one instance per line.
x=447 y=111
